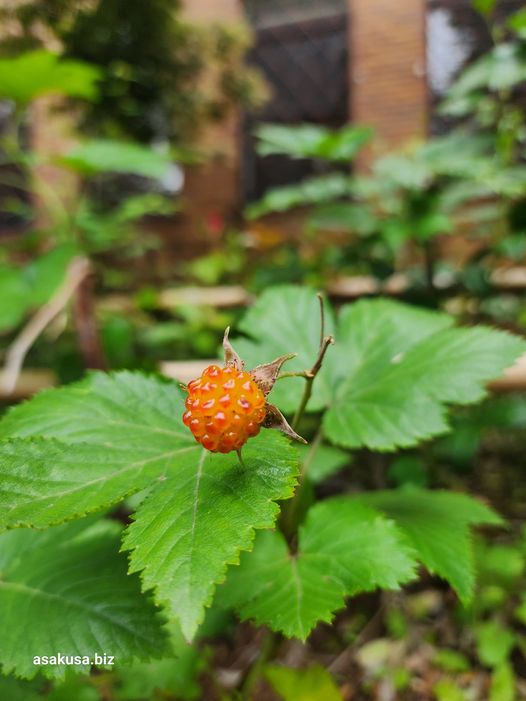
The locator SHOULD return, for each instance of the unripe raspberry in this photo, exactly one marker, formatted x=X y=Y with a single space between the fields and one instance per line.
x=224 y=408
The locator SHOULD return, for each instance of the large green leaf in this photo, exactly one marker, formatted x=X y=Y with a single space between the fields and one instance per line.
x=65 y=590
x=84 y=447
x=36 y=73
x=394 y=369
x=104 y=155
x=118 y=411
x=45 y=481
x=408 y=371
x=91 y=445
x=20 y=689
x=438 y=525
x=344 y=548
x=197 y=521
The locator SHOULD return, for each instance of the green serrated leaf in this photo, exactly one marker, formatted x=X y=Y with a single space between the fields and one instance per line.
x=198 y=520
x=92 y=444
x=120 y=410
x=395 y=369
x=344 y=548
x=45 y=482
x=85 y=447
x=438 y=526
x=66 y=591
x=285 y=320
x=312 y=684
x=371 y=407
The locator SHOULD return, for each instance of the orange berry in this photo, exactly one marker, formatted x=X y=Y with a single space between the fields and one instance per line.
x=224 y=408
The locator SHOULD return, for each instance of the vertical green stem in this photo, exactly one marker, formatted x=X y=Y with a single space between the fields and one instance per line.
x=291 y=511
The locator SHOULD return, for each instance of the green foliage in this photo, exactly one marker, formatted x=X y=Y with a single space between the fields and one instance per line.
x=282 y=318
x=393 y=370
x=106 y=156
x=485 y=7
x=18 y=689
x=36 y=73
x=343 y=548
x=320 y=461
x=150 y=70
x=72 y=581
x=451 y=661
x=311 y=684
x=502 y=68
x=494 y=643
x=159 y=679
x=387 y=382
x=517 y=22
x=85 y=447
x=503 y=683
x=448 y=690
x=13 y=287
x=182 y=545
x=316 y=190
x=438 y=526
x=312 y=141
x=28 y=287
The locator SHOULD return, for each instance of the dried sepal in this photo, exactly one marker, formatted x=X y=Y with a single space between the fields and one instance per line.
x=265 y=375
x=232 y=359
x=275 y=419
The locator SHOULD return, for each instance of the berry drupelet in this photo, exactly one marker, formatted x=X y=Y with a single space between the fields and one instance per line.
x=227 y=406
x=224 y=408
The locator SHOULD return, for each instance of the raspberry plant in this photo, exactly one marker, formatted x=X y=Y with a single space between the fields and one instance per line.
x=206 y=527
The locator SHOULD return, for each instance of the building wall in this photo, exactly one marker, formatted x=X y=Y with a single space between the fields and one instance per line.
x=212 y=190
x=387 y=76
x=388 y=69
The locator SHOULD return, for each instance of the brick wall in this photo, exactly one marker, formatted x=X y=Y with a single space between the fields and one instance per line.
x=213 y=188
x=387 y=70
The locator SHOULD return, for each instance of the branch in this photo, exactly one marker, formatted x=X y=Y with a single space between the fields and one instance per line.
x=310 y=375
x=78 y=270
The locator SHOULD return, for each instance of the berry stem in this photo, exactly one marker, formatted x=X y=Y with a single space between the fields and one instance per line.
x=310 y=376
x=291 y=511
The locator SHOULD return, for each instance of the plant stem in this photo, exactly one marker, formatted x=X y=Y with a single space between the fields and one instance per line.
x=310 y=376
x=291 y=511
x=429 y=265
x=267 y=648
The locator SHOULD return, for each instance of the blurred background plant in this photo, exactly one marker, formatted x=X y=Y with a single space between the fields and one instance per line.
x=138 y=83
